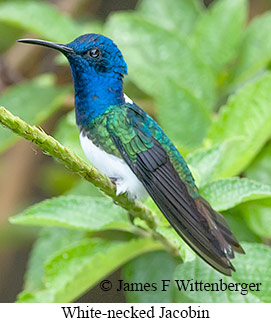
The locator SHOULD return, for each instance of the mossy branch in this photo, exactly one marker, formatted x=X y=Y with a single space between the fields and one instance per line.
x=78 y=166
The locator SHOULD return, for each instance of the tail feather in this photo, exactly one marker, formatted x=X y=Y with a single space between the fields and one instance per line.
x=200 y=226
x=224 y=233
x=193 y=221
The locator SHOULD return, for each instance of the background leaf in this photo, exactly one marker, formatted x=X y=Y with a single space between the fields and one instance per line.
x=184 y=119
x=186 y=253
x=255 y=48
x=236 y=221
x=49 y=242
x=149 y=57
x=178 y=16
x=77 y=212
x=78 y=268
x=24 y=100
x=8 y=35
x=219 y=31
x=82 y=188
x=247 y=115
x=258 y=213
x=206 y=161
x=258 y=217
x=68 y=134
x=259 y=169
x=229 y=192
x=42 y=19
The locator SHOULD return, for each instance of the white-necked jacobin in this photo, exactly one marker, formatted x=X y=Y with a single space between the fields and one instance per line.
x=126 y=144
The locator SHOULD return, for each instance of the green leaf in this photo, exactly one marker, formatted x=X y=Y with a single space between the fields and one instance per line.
x=259 y=169
x=50 y=242
x=76 y=212
x=258 y=217
x=255 y=48
x=8 y=35
x=251 y=268
x=55 y=180
x=229 y=192
x=68 y=134
x=178 y=16
x=154 y=55
x=84 y=188
x=171 y=235
x=74 y=270
x=41 y=19
x=247 y=115
x=239 y=226
x=218 y=32
x=33 y=101
x=258 y=214
x=184 y=119
x=206 y=161
x=149 y=270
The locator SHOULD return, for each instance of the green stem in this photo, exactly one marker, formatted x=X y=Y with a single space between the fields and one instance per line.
x=78 y=166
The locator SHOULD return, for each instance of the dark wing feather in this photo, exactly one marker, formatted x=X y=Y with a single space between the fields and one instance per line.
x=201 y=227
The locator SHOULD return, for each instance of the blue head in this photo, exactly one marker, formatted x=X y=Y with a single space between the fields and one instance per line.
x=97 y=68
x=96 y=55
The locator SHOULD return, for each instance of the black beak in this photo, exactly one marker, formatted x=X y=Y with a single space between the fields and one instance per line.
x=60 y=47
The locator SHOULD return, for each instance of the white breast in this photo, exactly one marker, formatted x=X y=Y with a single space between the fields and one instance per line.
x=113 y=167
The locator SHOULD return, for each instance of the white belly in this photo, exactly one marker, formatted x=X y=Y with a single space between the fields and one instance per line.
x=114 y=167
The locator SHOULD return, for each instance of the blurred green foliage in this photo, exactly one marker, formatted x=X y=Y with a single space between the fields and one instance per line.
x=24 y=100
x=208 y=75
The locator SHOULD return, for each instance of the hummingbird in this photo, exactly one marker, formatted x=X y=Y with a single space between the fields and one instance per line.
x=125 y=143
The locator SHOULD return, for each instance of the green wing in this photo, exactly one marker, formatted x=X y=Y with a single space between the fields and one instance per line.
x=147 y=150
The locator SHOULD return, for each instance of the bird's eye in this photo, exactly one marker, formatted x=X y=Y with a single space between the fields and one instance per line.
x=94 y=53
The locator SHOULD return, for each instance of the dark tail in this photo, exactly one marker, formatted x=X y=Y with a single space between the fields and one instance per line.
x=220 y=230
x=200 y=226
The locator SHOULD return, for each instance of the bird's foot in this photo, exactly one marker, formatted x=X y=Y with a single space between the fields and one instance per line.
x=113 y=180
